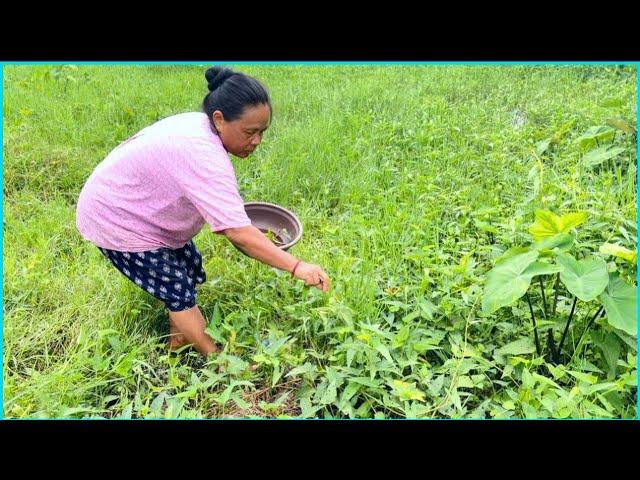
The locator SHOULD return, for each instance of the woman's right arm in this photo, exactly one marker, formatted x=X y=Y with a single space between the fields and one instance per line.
x=255 y=244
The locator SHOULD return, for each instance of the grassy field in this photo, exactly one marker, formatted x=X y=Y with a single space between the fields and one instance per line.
x=410 y=180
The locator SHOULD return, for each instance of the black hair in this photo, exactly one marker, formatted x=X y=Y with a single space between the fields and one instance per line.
x=230 y=92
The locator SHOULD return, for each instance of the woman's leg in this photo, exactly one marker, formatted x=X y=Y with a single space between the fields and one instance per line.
x=170 y=276
x=176 y=339
x=191 y=325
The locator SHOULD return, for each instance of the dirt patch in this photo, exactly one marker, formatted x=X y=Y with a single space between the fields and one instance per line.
x=262 y=402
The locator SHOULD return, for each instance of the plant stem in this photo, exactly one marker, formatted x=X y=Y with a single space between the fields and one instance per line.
x=551 y=345
x=535 y=328
x=544 y=299
x=593 y=319
x=566 y=327
x=555 y=294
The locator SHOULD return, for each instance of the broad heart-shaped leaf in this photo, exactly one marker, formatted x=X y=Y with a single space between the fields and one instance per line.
x=513 y=251
x=548 y=224
x=610 y=345
x=601 y=154
x=541 y=268
x=619 y=251
x=619 y=300
x=507 y=281
x=595 y=134
x=621 y=124
x=586 y=279
x=561 y=241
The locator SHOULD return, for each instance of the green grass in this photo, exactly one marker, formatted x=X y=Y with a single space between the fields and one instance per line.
x=388 y=168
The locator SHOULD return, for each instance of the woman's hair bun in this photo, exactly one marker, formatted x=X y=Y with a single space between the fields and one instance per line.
x=216 y=75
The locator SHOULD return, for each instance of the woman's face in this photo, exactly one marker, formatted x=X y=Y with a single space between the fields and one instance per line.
x=242 y=136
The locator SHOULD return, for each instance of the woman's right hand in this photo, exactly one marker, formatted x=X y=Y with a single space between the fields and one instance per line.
x=313 y=276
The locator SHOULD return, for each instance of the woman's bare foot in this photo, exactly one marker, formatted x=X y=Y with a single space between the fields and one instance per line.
x=176 y=342
x=189 y=327
x=176 y=339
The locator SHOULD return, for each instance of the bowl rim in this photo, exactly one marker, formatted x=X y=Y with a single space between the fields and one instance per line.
x=286 y=212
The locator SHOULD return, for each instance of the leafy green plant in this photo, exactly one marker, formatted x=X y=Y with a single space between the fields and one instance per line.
x=587 y=279
x=594 y=138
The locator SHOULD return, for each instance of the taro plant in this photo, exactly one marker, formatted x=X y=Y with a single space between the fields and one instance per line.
x=606 y=151
x=586 y=279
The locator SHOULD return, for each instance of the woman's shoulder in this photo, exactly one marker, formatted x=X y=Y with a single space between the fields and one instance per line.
x=190 y=127
x=187 y=122
x=189 y=134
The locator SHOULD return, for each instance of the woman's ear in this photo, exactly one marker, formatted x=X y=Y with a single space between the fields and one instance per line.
x=218 y=119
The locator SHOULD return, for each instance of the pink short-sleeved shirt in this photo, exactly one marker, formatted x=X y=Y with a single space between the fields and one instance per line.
x=160 y=187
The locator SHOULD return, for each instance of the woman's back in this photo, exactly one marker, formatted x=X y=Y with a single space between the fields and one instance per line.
x=159 y=187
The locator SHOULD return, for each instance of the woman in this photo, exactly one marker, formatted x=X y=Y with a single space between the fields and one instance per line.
x=144 y=203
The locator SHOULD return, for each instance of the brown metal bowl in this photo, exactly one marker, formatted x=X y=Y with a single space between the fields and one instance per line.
x=282 y=227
